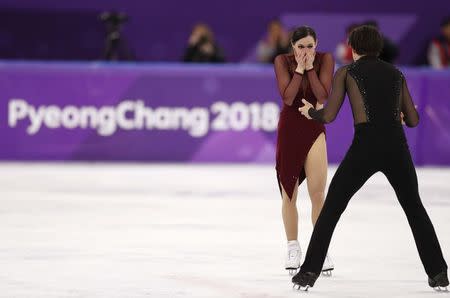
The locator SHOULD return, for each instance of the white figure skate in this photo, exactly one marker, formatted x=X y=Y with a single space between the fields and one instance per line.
x=328 y=266
x=294 y=256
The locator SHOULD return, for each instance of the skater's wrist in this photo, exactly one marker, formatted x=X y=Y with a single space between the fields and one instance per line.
x=311 y=112
x=299 y=71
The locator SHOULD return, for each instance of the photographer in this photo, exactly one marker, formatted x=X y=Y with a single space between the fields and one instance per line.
x=202 y=47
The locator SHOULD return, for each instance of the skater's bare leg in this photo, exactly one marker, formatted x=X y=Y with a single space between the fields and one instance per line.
x=316 y=166
x=290 y=214
x=290 y=219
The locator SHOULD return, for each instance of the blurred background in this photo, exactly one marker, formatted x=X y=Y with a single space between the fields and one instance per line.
x=159 y=31
x=198 y=75
x=137 y=147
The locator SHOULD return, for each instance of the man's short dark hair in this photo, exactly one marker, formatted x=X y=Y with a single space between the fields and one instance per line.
x=366 y=40
x=371 y=23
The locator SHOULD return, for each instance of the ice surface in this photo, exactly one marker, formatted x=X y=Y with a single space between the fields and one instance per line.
x=177 y=230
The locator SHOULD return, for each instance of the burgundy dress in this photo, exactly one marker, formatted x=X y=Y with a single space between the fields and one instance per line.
x=297 y=134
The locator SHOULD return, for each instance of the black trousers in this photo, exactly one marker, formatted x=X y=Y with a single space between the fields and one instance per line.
x=376 y=149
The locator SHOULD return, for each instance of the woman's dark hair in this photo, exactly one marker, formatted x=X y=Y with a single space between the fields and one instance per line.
x=366 y=40
x=302 y=32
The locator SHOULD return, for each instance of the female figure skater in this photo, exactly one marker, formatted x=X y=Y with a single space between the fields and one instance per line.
x=378 y=96
x=301 y=148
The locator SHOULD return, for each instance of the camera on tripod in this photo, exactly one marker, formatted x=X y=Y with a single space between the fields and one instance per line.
x=115 y=46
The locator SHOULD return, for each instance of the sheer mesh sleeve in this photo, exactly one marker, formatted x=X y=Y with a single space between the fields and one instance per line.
x=287 y=85
x=328 y=114
x=321 y=84
x=410 y=115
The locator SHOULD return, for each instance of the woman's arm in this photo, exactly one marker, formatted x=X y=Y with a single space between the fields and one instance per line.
x=321 y=84
x=287 y=86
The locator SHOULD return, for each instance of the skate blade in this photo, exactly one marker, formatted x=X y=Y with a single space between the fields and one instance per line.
x=328 y=272
x=441 y=289
x=300 y=288
x=292 y=271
